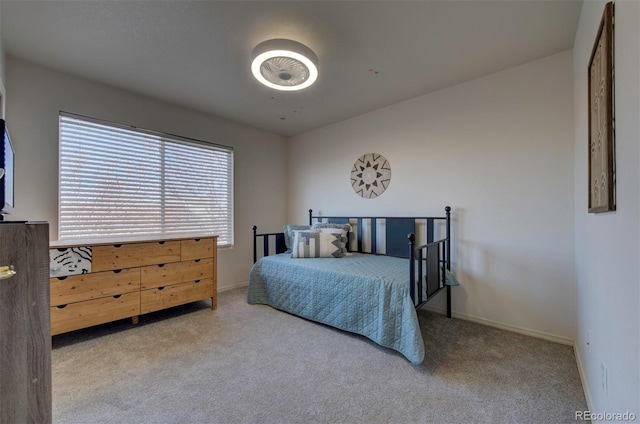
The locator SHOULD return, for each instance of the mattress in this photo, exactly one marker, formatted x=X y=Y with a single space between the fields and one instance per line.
x=364 y=294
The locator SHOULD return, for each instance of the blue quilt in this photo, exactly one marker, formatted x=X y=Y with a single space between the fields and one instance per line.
x=363 y=294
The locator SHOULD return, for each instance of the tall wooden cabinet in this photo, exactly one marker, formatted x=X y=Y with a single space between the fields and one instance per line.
x=25 y=338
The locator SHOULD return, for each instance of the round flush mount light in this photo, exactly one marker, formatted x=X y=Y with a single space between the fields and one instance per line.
x=284 y=65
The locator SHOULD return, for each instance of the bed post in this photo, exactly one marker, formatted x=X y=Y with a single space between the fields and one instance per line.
x=412 y=266
x=310 y=216
x=255 y=252
x=448 y=255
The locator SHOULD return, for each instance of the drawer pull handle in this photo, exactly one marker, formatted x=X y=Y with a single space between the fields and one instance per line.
x=117 y=271
x=61 y=306
x=62 y=278
x=61 y=249
x=196 y=281
x=117 y=296
x=117 y=246
x=160 y=265
x=161 y=242
x=7 y=272
x=161 y=288
x=197 y=240
x=196 y=260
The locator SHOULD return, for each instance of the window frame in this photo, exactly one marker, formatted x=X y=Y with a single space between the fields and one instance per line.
x=163 y=138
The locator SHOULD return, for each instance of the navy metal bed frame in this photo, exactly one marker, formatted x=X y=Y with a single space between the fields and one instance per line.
x=428 y=262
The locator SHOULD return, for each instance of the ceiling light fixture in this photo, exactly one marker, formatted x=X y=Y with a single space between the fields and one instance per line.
x=284 y=65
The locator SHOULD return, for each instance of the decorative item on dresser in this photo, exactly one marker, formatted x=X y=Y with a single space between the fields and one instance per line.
x=25 y=343
x=95 y=284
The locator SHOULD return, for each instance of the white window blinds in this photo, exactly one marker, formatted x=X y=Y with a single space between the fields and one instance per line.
x=131 y=184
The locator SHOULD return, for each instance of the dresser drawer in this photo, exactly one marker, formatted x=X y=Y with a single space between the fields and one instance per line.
x=93 y=312
x=198 y=248
x=117 y=256
x=177 y=272
x=177 y=294
x=76 y=288
x=161 y=275
x=197 y=269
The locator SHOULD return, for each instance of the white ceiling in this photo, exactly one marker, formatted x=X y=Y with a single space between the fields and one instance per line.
x=371 y=53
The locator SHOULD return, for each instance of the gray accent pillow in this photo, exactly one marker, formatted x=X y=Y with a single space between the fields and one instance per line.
x=288 y=234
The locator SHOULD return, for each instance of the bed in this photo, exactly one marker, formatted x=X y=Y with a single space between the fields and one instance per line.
x=391 y=266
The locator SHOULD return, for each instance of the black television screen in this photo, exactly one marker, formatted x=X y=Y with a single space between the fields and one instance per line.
x=7 y=164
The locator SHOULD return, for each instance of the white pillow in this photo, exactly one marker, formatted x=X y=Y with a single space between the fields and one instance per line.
x=344 y=228
x=315 y=244
x=343 y=238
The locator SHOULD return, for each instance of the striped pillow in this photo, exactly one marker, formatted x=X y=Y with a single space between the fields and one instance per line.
x=288 y=234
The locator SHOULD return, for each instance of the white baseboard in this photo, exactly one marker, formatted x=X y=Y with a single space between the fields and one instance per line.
x=508 y=327
x=233 y=286
x=583 y=377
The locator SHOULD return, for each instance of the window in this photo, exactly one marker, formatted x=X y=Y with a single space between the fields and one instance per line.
x=120 y=182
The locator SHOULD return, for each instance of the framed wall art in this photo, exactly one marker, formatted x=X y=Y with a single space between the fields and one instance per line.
x=602 y=163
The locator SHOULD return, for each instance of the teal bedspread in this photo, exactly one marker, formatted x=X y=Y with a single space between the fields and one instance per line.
x=363 y=294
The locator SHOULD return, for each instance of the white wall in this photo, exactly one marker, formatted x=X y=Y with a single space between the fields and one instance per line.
x=38 y=94
x=608 y=244
x=499 y=150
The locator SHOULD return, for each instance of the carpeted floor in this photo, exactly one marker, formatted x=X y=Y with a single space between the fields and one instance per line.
x=252 y=364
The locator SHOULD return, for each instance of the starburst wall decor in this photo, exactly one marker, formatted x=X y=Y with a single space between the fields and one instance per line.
x=370 y=175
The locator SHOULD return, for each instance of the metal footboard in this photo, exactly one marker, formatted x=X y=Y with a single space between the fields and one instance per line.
x=428 y=278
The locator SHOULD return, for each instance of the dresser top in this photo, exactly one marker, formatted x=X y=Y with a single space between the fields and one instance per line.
x=103 y=242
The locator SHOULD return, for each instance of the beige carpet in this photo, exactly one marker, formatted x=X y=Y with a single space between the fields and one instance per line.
x=252 y=364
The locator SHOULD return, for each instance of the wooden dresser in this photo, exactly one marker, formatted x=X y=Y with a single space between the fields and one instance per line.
x=95 y=284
